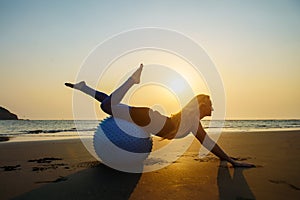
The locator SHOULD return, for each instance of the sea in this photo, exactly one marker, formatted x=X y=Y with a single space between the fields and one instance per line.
x=29 y=130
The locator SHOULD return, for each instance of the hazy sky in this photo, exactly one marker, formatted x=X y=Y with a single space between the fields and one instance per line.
x=254 y=44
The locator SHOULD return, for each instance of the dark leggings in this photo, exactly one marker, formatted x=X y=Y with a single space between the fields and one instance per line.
x=139 y=115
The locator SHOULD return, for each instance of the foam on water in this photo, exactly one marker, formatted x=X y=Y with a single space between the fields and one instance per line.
x=64 y=129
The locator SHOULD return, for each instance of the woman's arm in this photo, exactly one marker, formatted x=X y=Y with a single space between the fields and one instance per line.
x=208 y=143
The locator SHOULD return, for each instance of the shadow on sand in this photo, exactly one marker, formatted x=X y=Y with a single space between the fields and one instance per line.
x=100 y=182
x=235 y=187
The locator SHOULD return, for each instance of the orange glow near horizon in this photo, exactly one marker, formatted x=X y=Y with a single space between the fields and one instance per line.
x=254 y=45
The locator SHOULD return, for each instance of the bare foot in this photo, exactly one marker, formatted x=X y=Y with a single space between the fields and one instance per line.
x=76 y=86
x=137 y=75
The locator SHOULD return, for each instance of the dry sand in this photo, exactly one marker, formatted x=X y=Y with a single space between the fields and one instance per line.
x=65 y=170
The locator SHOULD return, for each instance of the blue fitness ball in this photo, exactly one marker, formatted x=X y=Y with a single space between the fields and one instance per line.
x=121 y=144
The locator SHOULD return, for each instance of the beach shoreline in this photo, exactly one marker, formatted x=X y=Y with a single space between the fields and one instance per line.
x=64 y=169
x=75 y=135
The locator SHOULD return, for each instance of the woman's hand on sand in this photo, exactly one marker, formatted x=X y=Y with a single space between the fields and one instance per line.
x=242 y=164
x=235 y=162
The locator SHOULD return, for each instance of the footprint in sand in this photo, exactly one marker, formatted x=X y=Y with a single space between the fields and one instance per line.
x=11 y=168
x=44 y=160
x=46 y=163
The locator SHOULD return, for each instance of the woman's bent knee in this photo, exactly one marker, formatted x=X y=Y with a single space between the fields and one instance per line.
x=106 y=106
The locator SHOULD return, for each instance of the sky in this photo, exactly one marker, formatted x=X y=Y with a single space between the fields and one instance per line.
x=255 y=46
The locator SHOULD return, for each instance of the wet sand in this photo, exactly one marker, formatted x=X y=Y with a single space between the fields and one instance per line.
x=65 y=170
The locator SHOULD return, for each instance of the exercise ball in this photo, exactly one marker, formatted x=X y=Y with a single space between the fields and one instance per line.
x=121 y=144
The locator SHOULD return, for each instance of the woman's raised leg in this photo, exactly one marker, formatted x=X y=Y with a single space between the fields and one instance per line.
x=117 y=95
x=83 y=87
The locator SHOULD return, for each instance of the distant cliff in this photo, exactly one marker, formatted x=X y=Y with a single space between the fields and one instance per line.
x=6 y=115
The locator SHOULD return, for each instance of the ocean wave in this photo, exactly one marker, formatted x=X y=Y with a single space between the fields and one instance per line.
x=38 y=131
x=67 y=127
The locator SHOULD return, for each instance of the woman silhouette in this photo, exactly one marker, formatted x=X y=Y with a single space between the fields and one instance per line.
x=172 y=126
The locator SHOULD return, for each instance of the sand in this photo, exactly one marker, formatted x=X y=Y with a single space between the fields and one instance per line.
x=65 y=170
